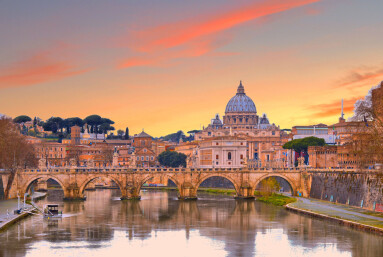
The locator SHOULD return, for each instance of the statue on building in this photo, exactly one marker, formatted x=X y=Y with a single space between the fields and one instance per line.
x=91 y=163
x=133 y=163
x=42 y=163
x=301 y=161
x=72 y=163
x=115 y=157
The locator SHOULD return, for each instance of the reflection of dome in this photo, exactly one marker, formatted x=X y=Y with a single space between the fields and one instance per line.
x=241 y=102
x=264 y=120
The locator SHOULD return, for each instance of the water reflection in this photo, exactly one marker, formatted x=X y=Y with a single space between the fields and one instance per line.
x=159 y=224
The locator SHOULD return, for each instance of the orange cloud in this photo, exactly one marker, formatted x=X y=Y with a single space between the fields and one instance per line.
x=39 y=68
x=186 y=35
x=333 y=108
x=358 y=76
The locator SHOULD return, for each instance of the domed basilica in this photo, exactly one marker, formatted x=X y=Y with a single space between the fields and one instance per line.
x=240 y=118
x=242 y=132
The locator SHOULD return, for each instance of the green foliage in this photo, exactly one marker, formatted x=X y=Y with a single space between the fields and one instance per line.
x=22 y=119
x=98 y=124
x=269 y=185
x=299 y=145
x=277 y=199
x=70 y=122
x=193 y=131
x=174 y=137
x=32 y=133
x=93 y=121
x=172 y=159
x=127 y=133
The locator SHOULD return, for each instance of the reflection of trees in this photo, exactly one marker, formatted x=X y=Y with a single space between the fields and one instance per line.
x=219 y=217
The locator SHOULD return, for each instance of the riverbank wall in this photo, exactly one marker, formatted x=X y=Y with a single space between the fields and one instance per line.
x=13 y=220
x=336 y=219
x=364 y=190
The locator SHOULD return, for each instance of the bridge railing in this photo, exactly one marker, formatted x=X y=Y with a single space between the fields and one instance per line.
x=165 y=170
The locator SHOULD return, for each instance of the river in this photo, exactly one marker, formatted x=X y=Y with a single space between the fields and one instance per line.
x=161 y=225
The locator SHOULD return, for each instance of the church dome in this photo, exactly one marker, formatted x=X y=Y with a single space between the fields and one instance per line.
x=240 y=102
x=264 y=120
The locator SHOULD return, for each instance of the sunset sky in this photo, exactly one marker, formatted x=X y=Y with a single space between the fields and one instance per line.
x=171 y=65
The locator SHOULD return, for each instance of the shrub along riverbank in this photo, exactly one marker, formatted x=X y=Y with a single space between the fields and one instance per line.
x=276 y=199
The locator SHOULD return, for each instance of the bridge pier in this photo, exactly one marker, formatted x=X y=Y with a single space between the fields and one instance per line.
x=187 y=192
x=73 y=193
x=245 y=192
x=130 y=193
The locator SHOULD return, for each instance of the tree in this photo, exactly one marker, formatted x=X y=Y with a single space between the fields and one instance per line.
x=269 y=185
x=15 y=151
x=105 y=127
x=120 y=133
x=172 y=159
x=301 y=145
x=127 y=133
x=174 y=137
x=54 y=124
x=93 y=121
x=22 y=119
x=74 y=121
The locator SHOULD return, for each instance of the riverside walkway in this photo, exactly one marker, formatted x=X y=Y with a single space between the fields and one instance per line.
x=11 y=205
x=346 y=214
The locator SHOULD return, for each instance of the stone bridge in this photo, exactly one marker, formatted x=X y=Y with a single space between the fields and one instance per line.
x=74 y=180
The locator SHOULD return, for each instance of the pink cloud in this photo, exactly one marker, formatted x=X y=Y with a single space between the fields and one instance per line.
x=184 y=38
x=44 y=66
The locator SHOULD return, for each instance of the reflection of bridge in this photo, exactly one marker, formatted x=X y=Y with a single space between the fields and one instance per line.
x=74 y=180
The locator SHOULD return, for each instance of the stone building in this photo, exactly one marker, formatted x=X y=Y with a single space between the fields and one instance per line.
x=144 y=153
x=377 y=99
x=264 y=140
x=50 y=154
x=222 y=152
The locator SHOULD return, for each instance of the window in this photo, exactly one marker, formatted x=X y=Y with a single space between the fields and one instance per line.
x=147 y=158
x=142 y=158
x=216 y=144
x=229 y=156
x=217 y=157
x=145 y=150
x=151 y=158
x=273 y=133
x=241 y=156
x=142 y=142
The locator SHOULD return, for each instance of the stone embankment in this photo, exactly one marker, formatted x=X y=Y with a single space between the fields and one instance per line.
x=342 y=214
x=7 y=208
x=359 y=189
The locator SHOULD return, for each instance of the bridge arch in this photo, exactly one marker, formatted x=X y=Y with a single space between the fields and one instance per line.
x=287 y=179
x=204 y=178
x=90 y=179
x=143 y=181
x=27 y=184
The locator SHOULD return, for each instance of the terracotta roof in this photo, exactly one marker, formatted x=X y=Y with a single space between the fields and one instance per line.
x=143 y=134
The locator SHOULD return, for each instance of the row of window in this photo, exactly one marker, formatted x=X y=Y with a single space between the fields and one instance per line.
x=229 y=156
x=143 y=158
